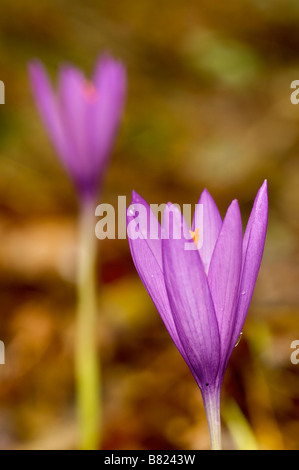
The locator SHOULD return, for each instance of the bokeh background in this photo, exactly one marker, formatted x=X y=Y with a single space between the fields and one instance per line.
x=208 y=106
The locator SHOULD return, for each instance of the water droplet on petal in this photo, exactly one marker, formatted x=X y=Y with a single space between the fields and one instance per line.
x=243 y=292
x=239 y=339
x=131 y=211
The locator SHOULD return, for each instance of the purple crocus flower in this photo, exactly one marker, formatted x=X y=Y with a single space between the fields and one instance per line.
x=202 y=295
x=82 y=118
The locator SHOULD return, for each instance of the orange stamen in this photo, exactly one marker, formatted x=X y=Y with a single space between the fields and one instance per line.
x=89 y=91
x=195 y=235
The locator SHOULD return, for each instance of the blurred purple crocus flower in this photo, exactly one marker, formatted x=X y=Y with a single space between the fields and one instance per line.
x=202 y=295
x=82 y=118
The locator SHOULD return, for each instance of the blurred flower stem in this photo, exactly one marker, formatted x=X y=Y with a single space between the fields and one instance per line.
x=87 y=364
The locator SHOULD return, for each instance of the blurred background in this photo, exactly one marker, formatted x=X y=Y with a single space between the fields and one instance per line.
x=208 y=106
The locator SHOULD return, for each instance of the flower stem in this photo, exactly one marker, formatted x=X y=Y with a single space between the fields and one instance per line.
x=86 y=356
x=211 y=398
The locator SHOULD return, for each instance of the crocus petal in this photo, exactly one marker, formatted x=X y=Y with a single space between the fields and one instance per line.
x=73 y=111
x=212 y=223
x=190 y=301
x=253 y=247
x=224 y=275
x=152 y=225
x=110 y=82
x=46 y=102
x=146 y=254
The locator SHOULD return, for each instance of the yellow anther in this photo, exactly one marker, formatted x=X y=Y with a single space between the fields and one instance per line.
x=195 y=235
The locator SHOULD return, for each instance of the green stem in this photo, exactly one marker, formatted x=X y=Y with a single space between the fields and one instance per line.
x=211 y=398
x=86 y=356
